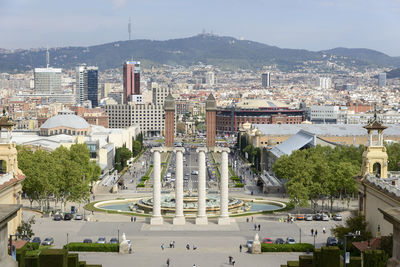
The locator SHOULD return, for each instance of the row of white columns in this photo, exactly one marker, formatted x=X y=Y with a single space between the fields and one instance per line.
x=179 y=218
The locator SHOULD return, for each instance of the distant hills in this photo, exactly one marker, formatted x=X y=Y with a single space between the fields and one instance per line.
x=226 y=52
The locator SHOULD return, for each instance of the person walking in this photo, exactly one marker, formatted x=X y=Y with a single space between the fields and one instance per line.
x=194 y=247
x=162 y=246
x=324 y=230
x=312 y=231
x=168 y=262
x=131 y=219
x=259 y=227
x=316 y=232
x=233 y=262
x=252 y=218
x=247 y=219
x=173 y=244
x=255 y=227
x=134 y=219
x=240 y=248
x=230 y=259
x=187 y=246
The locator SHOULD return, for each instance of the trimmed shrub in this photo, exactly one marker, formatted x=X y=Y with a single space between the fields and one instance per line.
x=140 y=184
x=92 y=247
x=305 y=260
x=301 y=247
x=32 y=261
x=53 y=257
x=21 y=256
x=375 y=258
x=330 y=256
x=73 y=260
x=317 y=258
x=144 y=178
x=239 y=185
x=82 y=264
x=293 y=264
x=354 y=262
x=235 y=178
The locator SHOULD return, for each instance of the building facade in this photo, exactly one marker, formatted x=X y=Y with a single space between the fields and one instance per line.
x=87 y=85
x=382 y=79
x=266 y=79
x=131 y=79
x=47 y=81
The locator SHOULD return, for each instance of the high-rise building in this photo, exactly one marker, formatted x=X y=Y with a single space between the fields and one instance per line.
x=131 y=76
x=47 y=81
x=210 y=78
x=87 y=87
x=325 y=83
x=266 y=79
x=382 y=79
x=93 y=85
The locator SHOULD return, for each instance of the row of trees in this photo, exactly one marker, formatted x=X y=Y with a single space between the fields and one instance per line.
x=253 y=153
x=320 y=173
x=123 y=154
x=63 y=174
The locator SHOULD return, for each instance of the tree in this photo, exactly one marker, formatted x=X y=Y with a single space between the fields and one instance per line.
x=122 y=154
x=25 y=229
x=393 y=151
x=180 y=127
x=136 y=148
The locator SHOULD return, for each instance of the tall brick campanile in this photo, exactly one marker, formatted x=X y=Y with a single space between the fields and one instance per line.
x=211 y=109
x=169 y=122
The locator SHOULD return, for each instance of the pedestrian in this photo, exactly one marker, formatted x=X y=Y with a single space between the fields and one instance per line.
x=134 y=219
x=187 y=246
x=230 y=259
x=247 y=219
x=173 y=244
x=170 y=244
x=168 y=262
x=316 y=232
x=194 y=247
x=255 y=227
x=312 y=232
x=162 y=246
x=324 y=230
x=194 y=265
x=259 y=227
x=240 y=248
x=233 y=262
x=252 y=218
x=131 y=219
x=130 y=249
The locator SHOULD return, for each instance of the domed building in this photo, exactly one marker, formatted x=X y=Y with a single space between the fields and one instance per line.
x=66 y=122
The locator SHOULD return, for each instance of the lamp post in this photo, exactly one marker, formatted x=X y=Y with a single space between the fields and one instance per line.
x=67 y=242
x=314 y=241
x=118 y=236
x=357 y=233
x=300 y=235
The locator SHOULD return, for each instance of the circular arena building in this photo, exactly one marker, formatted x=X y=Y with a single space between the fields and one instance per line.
x=66 y=122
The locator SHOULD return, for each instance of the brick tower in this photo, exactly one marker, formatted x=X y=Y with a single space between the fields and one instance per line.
x=169 y=122
x=211 y=109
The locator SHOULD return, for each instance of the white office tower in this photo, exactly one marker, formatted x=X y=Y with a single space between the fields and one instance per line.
x=210 y=78
x=47 y=81
x=325 y=83
x=81 y=92
x=266 y=79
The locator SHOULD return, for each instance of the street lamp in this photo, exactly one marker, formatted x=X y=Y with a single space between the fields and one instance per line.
x=118 y=235
x=300 y=235
x=357 y=233
x=67 y=242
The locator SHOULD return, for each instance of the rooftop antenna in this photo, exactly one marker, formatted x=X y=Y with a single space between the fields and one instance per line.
x=129 y=28
x=47 y=57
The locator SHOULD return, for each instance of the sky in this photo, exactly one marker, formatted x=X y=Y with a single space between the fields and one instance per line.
x=302 y=24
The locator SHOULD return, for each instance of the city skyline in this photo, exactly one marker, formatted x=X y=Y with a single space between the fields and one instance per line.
x=312 y=25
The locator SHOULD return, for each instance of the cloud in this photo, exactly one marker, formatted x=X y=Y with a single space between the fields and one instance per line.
x=118 y=3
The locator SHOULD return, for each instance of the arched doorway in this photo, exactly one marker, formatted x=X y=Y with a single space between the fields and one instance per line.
x=377 y=169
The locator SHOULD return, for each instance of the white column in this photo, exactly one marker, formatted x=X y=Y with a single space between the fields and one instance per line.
x=179 y=218
x=370 y=138
x=201 y=191
x=224 y=215
x=156 y=219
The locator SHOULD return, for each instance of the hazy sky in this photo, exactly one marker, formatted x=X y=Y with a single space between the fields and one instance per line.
x=307 y=24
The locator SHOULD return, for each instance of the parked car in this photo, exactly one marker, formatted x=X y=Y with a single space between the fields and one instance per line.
x=101 y=240
x=318 y=217
x=279 y=241
x=308 y=217
x=67 y=216
x=114 y=240
x=78 y=217
x=36 y=240
x=249 y=244
x=337 y=217
x=325 y=217
x=87 y=241
x=267 y=240
x=300 y=217
x=331 y=241
x=57 y=217
x=290 y=240
x=48 y=241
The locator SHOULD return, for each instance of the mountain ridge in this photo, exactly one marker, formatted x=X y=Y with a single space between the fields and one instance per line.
x=223 y=51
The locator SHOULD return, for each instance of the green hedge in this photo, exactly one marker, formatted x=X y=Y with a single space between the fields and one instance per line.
x=32 y=261
x=73 y=260
x=53 y=257
x=235 y=178
x=92 y=247
x=140 y=185
x=375 y=258
x=293 y=264
x=330 y=256
x=354 y=262
x=303 y=247
x=317 y=258
x=144 y=178
x=239 y=185
x=305 y=260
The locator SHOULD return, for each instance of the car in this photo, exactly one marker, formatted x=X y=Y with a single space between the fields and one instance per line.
x=114 y=240
x=331 y=241
x=48 y=241
x=337 y=217
x=279 y=241
x=318 y=217
x=101 y=240
x=87 y=241
x=290 y=240
x=67 y=216
x=78 y=217
x=36 y=240
x=325 y=217
x=308 y=217
x=57 y=217
x=300 y=217
x=249 y=244
x=267 y=240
